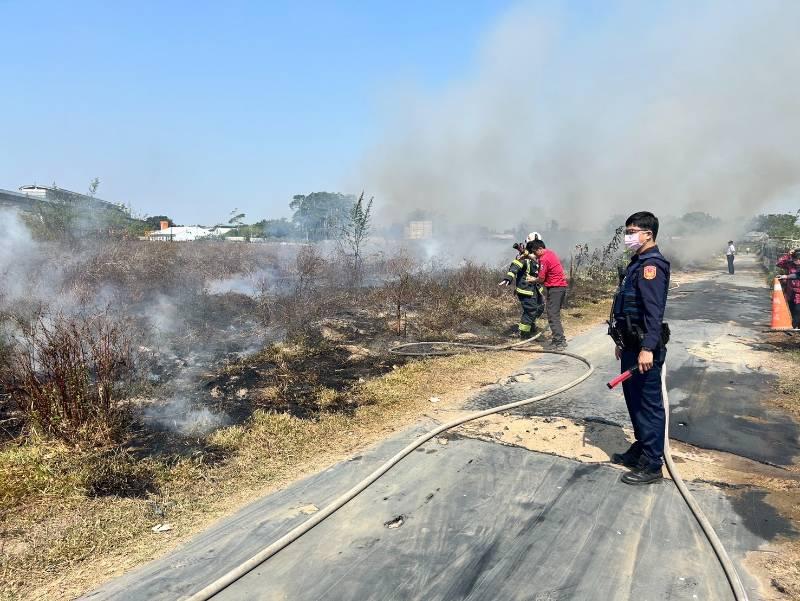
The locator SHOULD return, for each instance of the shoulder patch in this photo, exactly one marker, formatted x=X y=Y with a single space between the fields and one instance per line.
x=649 y=272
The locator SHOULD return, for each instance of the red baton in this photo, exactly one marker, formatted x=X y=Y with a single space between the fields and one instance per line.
x=622 y=377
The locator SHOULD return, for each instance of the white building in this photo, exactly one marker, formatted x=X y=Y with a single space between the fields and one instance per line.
x=179 y=234
x=419 y=230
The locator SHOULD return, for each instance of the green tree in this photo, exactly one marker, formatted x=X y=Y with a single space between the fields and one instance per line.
x=355 y=231
x=237 y=221
x=778 y=225
x=154 y=222
x=93 y=186
x=694 y=222
x=320 y=215
x=281 y=229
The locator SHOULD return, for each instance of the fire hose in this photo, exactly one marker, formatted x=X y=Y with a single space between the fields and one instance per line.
x=739 y=592
x=244 y=568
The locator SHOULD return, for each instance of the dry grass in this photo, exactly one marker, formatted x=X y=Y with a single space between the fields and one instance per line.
x=58 y=541
x=783 y=566
x=787 y=393
x=73 y=518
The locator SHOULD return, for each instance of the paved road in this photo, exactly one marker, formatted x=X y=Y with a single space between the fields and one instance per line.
x=716 y=393
x=484 y=521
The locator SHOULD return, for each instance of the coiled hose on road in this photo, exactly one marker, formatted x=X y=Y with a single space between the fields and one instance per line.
x=239 y=571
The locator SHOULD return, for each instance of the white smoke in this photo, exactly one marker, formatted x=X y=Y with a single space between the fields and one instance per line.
x=185 y=338
x=179 y=415
x=671 y=108
x=248 y=284
x=19 y=259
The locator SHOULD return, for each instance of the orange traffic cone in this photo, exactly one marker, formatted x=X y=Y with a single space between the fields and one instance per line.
x=781 y=318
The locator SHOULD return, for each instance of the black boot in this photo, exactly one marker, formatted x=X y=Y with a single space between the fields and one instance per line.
x=643 y=476
x=629 y=458
x=625 y=459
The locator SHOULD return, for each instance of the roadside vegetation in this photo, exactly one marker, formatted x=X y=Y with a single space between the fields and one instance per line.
x=146 y=384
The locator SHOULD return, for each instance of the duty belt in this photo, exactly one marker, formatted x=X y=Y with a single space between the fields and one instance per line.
x=629 y=335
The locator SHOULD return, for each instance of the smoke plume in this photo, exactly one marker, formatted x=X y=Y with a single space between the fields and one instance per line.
x=671 y=107
x=184 y=306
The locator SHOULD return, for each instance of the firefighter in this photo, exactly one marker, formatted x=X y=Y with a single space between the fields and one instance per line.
x=791 y=263
x=523 y=272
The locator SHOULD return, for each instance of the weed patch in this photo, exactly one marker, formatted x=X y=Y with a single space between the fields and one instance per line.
x=67 y=376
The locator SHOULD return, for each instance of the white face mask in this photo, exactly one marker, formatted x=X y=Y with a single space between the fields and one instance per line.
x=632 y=241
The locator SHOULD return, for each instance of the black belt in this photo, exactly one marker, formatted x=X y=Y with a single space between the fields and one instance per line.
x=629 y=336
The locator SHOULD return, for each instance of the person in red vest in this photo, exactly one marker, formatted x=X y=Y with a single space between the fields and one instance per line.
x=791 y=263
x=551 y=276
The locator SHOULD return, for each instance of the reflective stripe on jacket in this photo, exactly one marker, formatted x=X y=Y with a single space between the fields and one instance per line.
x=523 y=273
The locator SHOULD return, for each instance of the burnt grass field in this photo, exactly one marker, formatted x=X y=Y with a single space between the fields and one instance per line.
x=152 y=346
x=120 y=343
x=151 y=373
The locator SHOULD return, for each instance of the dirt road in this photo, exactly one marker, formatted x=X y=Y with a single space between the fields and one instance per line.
x=523 y=506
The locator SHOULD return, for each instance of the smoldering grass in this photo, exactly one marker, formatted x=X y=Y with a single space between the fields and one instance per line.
x=178 y=415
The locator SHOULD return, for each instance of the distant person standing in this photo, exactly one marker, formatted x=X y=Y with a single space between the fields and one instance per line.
x=551 y=276
x=730 y=253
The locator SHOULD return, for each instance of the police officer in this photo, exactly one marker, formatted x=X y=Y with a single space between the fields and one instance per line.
x=640 y=334
x=523 y=272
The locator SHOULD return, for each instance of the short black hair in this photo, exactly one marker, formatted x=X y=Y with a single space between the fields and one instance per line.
x=535 y=245
x=644 y=220
x=730 y=241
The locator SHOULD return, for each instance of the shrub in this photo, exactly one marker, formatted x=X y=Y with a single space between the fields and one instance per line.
x=400 y=287
x=67 y=375
x=299 y=306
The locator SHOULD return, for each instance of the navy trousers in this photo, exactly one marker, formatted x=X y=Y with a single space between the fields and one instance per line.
x=646 y=408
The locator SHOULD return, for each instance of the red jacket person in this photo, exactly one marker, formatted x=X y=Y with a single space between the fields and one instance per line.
x=791 y=263
x=551 y=276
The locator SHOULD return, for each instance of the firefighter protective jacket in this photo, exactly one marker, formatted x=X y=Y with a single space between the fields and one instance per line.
x=523 y=272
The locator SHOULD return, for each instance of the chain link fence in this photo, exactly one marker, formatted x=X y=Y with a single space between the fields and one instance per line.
x=774 y=248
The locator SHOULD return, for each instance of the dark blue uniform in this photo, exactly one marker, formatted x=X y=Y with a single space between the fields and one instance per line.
x=639 y=314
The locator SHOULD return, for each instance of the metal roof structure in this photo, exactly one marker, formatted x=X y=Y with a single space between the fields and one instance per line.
x=54 y=193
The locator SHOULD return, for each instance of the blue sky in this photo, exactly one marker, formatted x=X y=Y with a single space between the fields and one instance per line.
x=194 y=108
